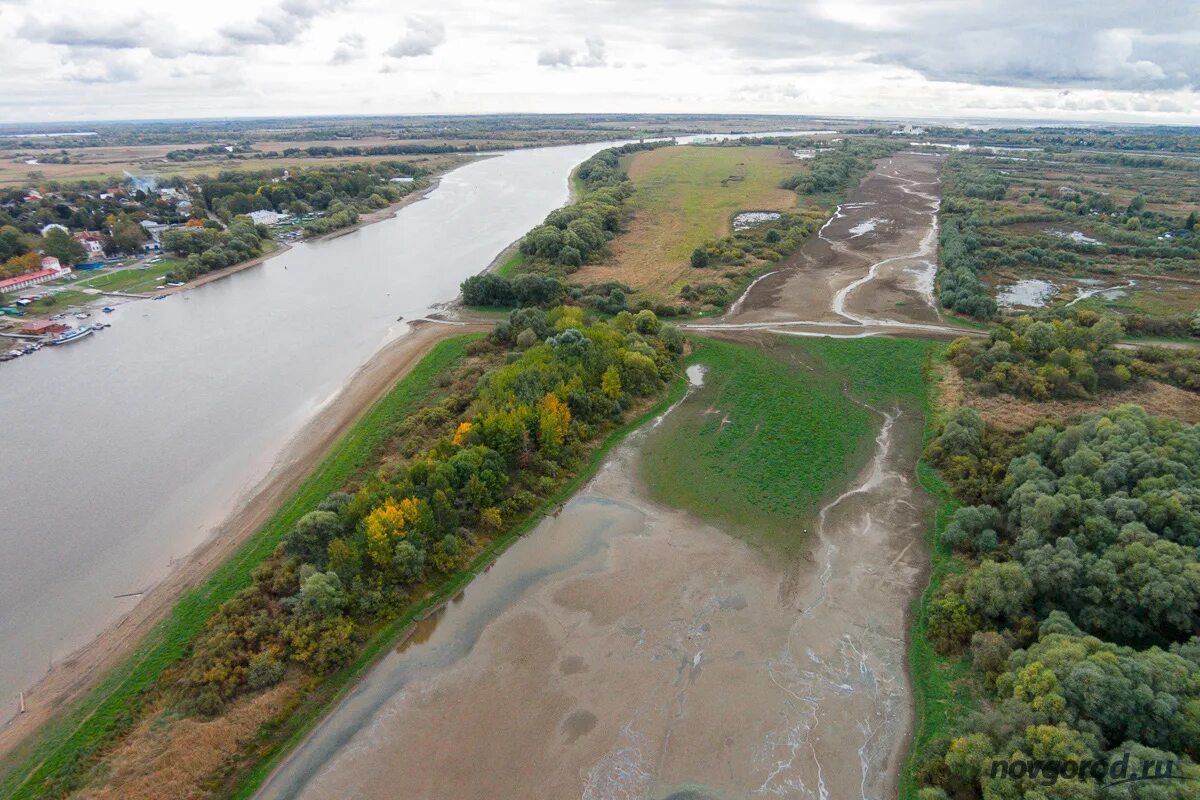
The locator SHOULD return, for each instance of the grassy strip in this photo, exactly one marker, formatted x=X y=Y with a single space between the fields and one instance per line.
x=63 y=749
x=942 y=688
x=336 y=686
x=511 y=265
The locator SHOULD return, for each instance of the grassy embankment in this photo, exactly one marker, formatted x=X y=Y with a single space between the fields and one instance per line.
x=685 y=196
x=771 y=434
x=63 y=748
x=942 y=685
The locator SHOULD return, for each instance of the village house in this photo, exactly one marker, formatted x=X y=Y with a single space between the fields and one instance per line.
x=42 y=327
x=93 y=244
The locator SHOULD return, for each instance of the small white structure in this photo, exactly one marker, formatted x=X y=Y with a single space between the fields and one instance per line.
x=265 y=217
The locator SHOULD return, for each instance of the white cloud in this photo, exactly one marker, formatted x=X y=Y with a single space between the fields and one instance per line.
x=424 y=34
x=350 y=48
x=593 y=56
x=146 y=58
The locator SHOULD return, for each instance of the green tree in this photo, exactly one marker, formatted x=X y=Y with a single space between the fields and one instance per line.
x=57 y=243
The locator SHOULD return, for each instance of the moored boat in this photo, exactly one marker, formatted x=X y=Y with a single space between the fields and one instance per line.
x=72 y=335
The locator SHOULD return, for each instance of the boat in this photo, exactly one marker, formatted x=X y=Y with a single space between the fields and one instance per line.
x=107 y=309
x=82 y=315
x=72 y=335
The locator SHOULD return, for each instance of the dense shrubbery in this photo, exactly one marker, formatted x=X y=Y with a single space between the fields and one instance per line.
x=490 y=289
x=309 y=190
x=464 y=469
x=578 y=233
x=1062 y=358
x=1082 y=612
x=761 y=244
x=958 y=284
x=839 y=168
x=207 y=249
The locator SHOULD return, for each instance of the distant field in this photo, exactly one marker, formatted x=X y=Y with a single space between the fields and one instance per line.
x=686 y=195
x=114 y=162
x=771 y=434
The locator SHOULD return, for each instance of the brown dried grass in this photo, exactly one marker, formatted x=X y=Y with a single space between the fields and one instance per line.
x=179 y=758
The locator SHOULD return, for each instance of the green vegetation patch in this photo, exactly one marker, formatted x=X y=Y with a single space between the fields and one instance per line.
x=772 y=433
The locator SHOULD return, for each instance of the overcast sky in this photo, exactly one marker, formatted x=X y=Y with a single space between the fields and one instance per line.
x=118 y=59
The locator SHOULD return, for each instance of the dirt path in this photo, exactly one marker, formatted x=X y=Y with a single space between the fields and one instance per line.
x=70 y=678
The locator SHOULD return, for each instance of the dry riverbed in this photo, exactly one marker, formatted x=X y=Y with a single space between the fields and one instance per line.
x=627 y=650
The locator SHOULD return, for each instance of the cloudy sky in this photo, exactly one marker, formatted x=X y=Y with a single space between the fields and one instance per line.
x=1097 y=60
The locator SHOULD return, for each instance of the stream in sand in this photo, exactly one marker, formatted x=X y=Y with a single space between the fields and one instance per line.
x=627 y=650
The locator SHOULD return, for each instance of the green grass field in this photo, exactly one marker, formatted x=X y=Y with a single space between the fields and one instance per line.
x=772 y=434
x=134 y=279
x=62 y=750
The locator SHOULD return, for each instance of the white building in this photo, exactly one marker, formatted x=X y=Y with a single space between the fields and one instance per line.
x=266 y=217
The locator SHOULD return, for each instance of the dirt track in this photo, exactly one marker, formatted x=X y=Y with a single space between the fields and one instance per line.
x=74 y=675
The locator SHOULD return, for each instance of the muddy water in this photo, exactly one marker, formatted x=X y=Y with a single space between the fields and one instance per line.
x=625 y=650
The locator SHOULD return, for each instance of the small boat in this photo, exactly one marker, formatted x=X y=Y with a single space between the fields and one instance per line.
x=82 y=315
x=72 y=335
x=107 y=309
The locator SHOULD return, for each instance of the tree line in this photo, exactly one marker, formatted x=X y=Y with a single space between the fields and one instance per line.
x=460 y=471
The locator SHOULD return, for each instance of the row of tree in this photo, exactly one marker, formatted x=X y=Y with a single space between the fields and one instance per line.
x=579 y=233
x=468 y=467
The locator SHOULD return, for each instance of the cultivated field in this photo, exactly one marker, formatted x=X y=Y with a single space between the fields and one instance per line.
x=685 y=196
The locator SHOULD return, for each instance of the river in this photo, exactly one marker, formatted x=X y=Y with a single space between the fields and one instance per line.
x=122 y=452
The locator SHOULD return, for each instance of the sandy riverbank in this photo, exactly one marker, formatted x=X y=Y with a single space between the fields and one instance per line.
x=70 y=678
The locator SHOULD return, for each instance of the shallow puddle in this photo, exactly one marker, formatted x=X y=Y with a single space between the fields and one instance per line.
x=1031 y=293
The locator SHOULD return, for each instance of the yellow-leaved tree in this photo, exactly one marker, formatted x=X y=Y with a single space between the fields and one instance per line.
x=610 y=382
x=385 y=525
x=554 y=419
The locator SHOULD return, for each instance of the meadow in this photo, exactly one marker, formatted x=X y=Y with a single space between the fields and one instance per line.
x=778 y=429
x=685 y=196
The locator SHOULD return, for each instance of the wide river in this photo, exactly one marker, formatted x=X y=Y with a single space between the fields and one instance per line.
x=121 y=453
